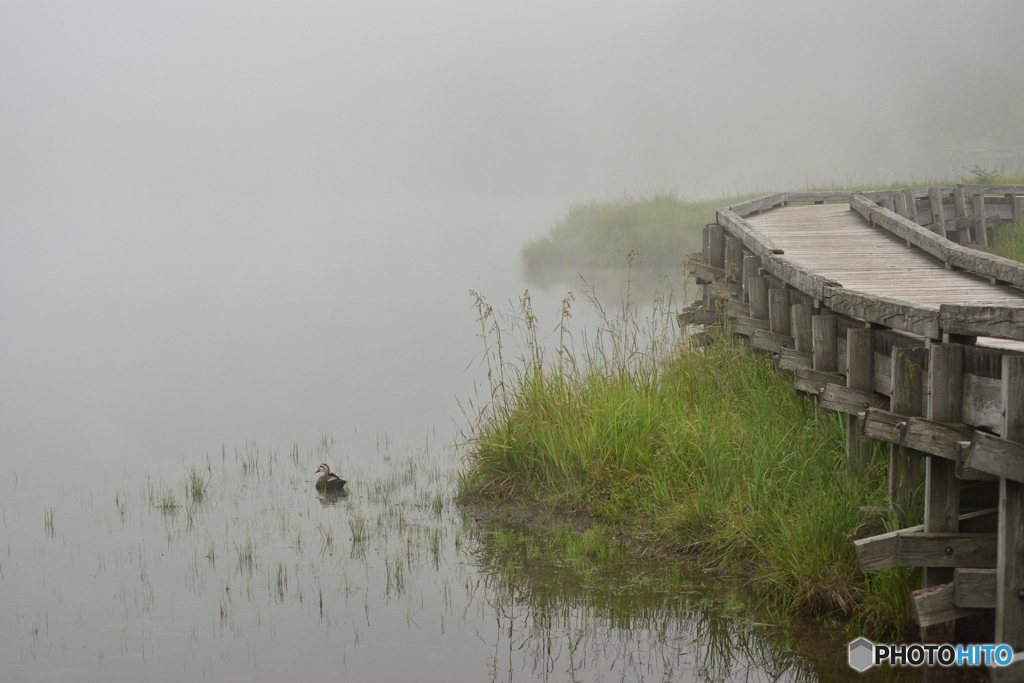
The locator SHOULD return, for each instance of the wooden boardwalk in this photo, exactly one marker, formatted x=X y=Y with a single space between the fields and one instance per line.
x=878 y=305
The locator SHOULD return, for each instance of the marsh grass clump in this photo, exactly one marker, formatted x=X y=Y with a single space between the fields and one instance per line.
x=196 y=485
x=702 y=451
x=48 y=527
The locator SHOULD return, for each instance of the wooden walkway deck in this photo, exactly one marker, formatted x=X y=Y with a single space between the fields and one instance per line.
x=877 y=305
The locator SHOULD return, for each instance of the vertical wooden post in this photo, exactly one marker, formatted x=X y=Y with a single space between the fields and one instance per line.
x=1018 y=208
x=733 y=260
x=887 y=204
x=938 y=216
x=823 y=333
x=911 y=205
x=778 y=311
x=860 y=374
x=960 y=201
x=758 y=288
x=942 y=488
x=980 y=230
x=906 y=398
x=800 y=326
x=706 y=258
x=899 y=199
x=751 y=269
x=1010 y=544
x=716 y=246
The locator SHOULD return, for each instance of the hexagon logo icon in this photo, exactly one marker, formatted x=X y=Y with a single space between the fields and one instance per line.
x=862 y=654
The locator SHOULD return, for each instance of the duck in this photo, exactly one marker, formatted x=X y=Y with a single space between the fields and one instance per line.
x=329 y=481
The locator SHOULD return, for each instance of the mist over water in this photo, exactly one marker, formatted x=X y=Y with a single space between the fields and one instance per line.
x=236 y=223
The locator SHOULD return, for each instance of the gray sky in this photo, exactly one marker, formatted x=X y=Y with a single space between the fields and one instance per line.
x=581 y=98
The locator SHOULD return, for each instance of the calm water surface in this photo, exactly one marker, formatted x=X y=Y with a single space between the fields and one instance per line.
x=145 y=349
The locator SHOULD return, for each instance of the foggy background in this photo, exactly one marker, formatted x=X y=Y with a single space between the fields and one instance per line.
x=239 y=220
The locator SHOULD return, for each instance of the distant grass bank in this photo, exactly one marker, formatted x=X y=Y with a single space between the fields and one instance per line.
x=699 y=452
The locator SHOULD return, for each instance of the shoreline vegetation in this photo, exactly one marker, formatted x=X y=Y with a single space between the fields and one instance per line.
x=697 y=453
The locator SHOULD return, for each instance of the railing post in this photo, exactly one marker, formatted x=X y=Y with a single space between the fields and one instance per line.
x=960 y=202
x=906 y=398
x=938 y=216
x=800 y=325
x=1018 y=208
x=734 y=260
x=716 y=246
x=758 y=288
x=860 y=374
x=1010 y=544
x=942 y=488
x=911 y=205
x=823 y=332
x=980 y=230
x=778 y=311
x=751 y=268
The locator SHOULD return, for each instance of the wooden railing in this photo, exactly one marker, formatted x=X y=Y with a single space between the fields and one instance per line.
x=906 y=374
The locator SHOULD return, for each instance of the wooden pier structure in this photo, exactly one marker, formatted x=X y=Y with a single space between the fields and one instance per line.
x=879 y=306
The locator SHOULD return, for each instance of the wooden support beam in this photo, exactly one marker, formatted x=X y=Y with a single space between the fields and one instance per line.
x=758 y=291
x=763 y=340
x=914 y=548
x=860 y=373
x=790 y=359
x=906 y=397
x=1018 y=209
x=962 y=226
x=778 y=311
x=916 y=433
x=734 y=261
x=980 y=230
x=751 y=268
x=935 y=605
x=825 y=343
x=1010 y=567
x=911 y=205
x=843 y=399
x=747 y=326
x=716 y=246
x=800 y=326
x=996 y=456
x=974 y=588
x=814 y=381
x=701 y=271
x=942 y=488
x=721 y=290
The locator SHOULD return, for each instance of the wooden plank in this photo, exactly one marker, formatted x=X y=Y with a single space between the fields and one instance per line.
x=942 y=488
x=906 y=397
x=721 y=290
x=936 y=605
x=886 y=311
x=759 y=203
x=980 y=230
x=842 y=399
x=790 y=359
x=734 y=261
x=825 y=343
x=1004 y=322
x=1018 y=209
x=860 y=352
x=814 y=381
x=938 y=217
x=946 y=550
x=800 y=326
x=757 y=289
x=819 y=196
x=751 y=265
x=778 y=311
x=1010 y=567
x=769 y=341
x=716 y=246
x=974 y=588
x=747 y=326
x=993 y=189
x=701 y=271
x=982 y=404
x=752 y=238
x=915 y=433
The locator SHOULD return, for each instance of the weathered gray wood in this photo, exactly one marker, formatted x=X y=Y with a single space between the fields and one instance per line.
x=983 y=405
x=960 y=214
x=825 y=343
x=716 y=246
x=886 y=311
x=747 y=326
x=938 y=217
x=814 y=381
x=1018 y=209
x=842 y=399
x=994 y=189
x=915 y=433
x=696 y=316
x=974 y=588
x=981 y=231
x=946 y=550
x=819 y=196
x=800 y=326
x=752 y=239
x=942 y=488
x=936 y=605
x=734 y=261
x=1010 y=567
x=913 y=547
x=757 y=288
x=721 y=290
x=751 y=265
x=733 y=309
x=1005 y=322
x=769 y=341
x=860 y=353
x=900 y=200
x=749 y=206
x=702 y=272
x=790 y=359
x=778 y=311
x=911 y=205
x=906 y=398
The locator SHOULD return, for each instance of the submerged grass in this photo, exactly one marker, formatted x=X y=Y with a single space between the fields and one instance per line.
x=702 y=451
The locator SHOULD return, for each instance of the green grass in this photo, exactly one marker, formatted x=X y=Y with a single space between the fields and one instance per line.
x=703 y=452
x=1007 y=240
